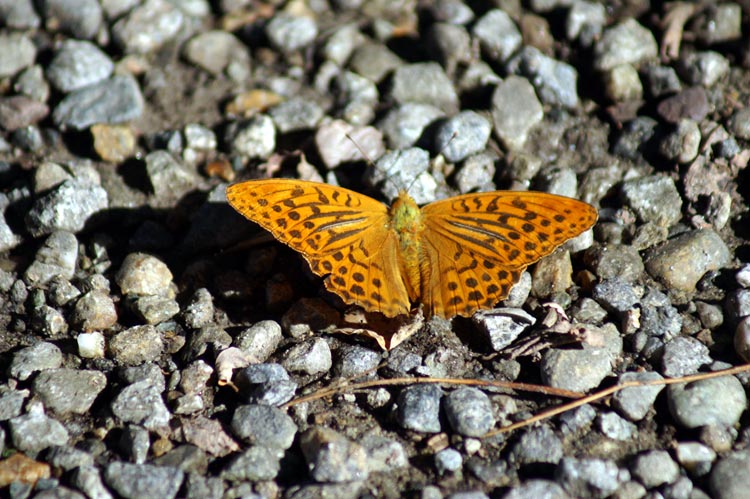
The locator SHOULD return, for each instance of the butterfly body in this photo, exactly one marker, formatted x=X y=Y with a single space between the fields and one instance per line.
x=454 y=256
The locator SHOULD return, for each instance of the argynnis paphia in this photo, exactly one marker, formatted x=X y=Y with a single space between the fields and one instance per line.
x=455 y=256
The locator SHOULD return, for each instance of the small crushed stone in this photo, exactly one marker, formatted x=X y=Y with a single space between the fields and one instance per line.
x=152 y=340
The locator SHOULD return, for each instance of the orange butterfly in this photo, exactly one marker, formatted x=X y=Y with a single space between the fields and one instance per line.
x=455 y=256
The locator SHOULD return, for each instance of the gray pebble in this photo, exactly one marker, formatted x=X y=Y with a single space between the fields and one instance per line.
x=684 y=355
x=289 y=33
x=254 y=464
x=655 y=468
x=497 y=34
x=135 y=443
x=354 y=361
x=556 y=82
x=88 y=480
x=269 y=384
x=68 y=458
x=80 y=18
x=38 y=357
x=635 y=137
x=253 y=138
x=404 y=125
x=739 y=123
x=295 y=114
x=384 y=454
x=17 y=52
x=452 y=11
x=448 y=461
x=450 y=45
x=198 y=486
x=462 y=135
x=194 y=378
x=577 y=419
x=340 y=44
x=424 y=83
x=660 y=80
x=616 y=295
x=154 y=309
x=515 y=111
x=211 y=337
x=67 y=207
x=216 y=50
x=662 y=321
x=309 y=357
x=477 y=173
x=720 y=23
x=690 y=103
x=682 y=261
x=115 y=100
x=186 y=457
x=148 y=26
x=32 y=83
x=94 y=311
x=142 y=274
x=729 y=477
x=710 y=315
x=585 y=22
x=695 y=457
x=635 y=402
x=470 y=494
x=502 y=326
x=68 y=391
x=19 y=14
x=199 y=311
x=469 y=411
x=169 y=178
x=682 y=144
x=331 y=457
x=141 y=403
x=537 y=488
x=260 y=340
x=61 y=292
x=538 y=445
x=577 y=370
x=77 y=64
x=418 y=408
x=11 y=402
x=624 y=43
x=56 y=258
x=20 y=112
x=737 y=305
x=143 y=480
x=134 y=346
x=49 y=321
x=703 y=68
x=374 y=61
x=613 y=426
x=263 y=425
x=588 y=477
x=616 y=261
x=35 y=431
x=398 y=170
x=8 y=239
x=654 y=199
x=622 y=84
x=340 y=142
x=716 y=401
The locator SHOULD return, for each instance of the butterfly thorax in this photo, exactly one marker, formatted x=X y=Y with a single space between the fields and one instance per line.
x=406 y=222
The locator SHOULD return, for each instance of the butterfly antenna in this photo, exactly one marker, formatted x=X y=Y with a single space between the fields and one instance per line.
x=369 y=160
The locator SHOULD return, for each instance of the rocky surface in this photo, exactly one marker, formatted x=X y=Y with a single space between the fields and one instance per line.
x=147 y=353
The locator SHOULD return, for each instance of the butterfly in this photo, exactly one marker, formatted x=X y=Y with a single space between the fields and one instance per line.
x=454 y=256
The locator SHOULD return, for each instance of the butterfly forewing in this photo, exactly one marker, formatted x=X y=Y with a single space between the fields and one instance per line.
x=343 y=235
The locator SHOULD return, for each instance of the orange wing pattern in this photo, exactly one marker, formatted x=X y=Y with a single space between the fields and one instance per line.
x=477 y=245
x=343 y=235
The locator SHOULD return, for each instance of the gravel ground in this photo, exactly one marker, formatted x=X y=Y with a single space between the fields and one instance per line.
x=147 y=354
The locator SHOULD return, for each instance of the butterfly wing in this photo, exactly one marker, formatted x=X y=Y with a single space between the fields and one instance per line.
x=477 y=245
x=343 y=235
